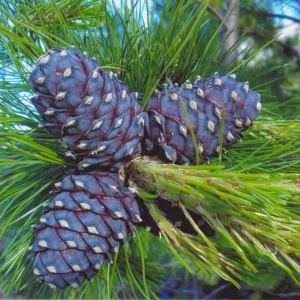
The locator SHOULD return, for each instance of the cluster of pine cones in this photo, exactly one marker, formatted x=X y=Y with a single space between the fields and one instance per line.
x=102 y=126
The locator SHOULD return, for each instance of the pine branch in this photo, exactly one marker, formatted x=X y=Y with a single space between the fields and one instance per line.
x=256 y=214
x=280 y=16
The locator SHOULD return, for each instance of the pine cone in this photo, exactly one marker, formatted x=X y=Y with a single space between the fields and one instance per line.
x=167 y=133
x=89 y=109
x=83 y=225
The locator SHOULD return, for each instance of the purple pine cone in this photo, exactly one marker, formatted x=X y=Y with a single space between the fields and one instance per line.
x=83 y=225
x=167 y=133
x=89 y=109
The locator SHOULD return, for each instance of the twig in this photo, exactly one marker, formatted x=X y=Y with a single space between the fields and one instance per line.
x=265 y=14
x=216 y=291
x=214 y=11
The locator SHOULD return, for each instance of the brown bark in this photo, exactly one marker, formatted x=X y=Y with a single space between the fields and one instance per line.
x=232 y=22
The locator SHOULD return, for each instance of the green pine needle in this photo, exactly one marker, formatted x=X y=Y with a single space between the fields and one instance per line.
x=255 y=213
x=251 y=200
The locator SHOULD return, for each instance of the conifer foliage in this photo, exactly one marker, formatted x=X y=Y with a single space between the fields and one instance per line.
x=133 y=151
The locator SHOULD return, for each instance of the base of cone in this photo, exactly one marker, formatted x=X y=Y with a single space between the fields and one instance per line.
x=174 y=214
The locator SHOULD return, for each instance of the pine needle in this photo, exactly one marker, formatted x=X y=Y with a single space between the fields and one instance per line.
x=240 y=207
x=251 y=200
